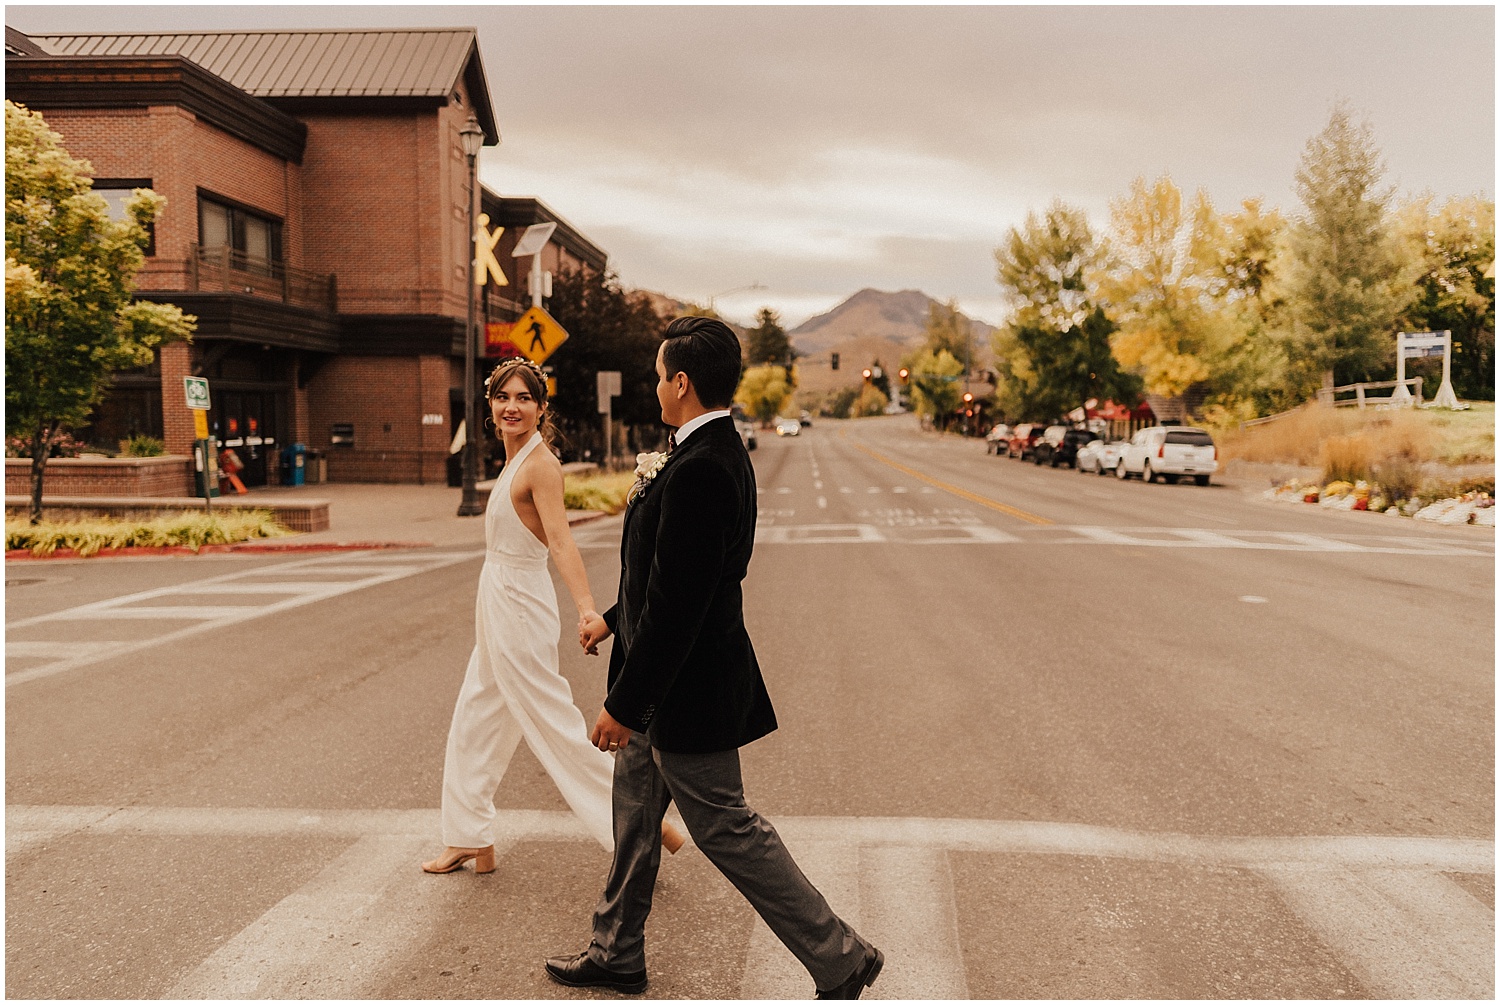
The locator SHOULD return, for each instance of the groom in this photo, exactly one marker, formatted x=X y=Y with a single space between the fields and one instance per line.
x=685 y=691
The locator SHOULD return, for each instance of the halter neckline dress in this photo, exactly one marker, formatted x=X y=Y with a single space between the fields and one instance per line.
x=512 y=689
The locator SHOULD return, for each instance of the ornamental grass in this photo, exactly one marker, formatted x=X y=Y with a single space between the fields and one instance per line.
x=186 y=529
x=603 y=492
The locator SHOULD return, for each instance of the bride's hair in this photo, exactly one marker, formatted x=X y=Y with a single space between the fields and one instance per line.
x=536 y=383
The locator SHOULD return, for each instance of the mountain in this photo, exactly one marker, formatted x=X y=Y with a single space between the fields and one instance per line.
x=871 y=325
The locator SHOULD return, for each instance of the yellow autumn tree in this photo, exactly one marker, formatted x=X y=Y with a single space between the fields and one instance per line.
x=1158 y=284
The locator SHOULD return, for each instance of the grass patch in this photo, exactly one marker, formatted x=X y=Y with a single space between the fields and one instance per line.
x=191 y=530
x=603 y=492
x=1343 y=439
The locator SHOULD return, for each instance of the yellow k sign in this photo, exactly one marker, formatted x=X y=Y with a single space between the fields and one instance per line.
x=486 y=265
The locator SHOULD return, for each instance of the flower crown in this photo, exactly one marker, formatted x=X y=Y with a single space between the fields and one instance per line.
x=511 y=362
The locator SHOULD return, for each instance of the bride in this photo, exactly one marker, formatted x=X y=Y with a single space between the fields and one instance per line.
x=512 y=689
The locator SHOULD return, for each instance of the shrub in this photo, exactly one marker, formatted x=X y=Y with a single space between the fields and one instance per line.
x=1345 y=458
x=141 y=445
x=1400 y=477
x=603 y=492
x=187 y=529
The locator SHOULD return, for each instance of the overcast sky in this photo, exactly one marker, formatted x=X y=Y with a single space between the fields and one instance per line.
x=818 y=150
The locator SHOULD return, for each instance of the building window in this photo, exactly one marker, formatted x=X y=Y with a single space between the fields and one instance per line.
x=116 y=192
x=255 y=239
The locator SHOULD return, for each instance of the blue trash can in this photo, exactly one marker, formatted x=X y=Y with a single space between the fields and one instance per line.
x=294 y=464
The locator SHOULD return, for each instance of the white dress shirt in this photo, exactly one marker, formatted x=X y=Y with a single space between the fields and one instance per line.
x=686 y=429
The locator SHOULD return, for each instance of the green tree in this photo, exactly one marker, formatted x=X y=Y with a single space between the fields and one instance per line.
x=1346 y=280
x=1055 y=353
x=767 y=342
x=70 y=320
x=609 y=328
x=935 y=386
x=763 y=391
x=869 y=401
x=949 y=330
x=1455 y=246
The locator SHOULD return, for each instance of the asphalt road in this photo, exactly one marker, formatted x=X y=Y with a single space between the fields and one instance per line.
x=1043 y=734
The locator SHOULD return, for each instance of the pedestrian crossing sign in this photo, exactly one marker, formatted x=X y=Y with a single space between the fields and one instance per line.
x=537 y=335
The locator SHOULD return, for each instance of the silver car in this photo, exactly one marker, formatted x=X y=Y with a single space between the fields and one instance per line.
x=1099 y=457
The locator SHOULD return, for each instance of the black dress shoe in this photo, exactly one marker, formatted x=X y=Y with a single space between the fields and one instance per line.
x=864 y=975
x=581 y=972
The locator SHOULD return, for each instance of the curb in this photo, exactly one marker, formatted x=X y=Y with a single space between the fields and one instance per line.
x=243 y=547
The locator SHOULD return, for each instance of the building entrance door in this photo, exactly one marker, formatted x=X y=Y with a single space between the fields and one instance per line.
x=245 y=422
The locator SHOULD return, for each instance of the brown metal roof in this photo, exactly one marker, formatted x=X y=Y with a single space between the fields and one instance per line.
x=405 y=62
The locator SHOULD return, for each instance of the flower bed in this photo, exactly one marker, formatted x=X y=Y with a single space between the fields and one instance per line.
x=191 y=531
x=1475 y=506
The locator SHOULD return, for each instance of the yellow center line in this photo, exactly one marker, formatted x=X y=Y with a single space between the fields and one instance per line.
x=1019 y=514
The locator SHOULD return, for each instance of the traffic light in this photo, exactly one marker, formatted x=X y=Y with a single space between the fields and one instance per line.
x=968 y=397
x=835 y=361
x=905 y=375
x=867 y=373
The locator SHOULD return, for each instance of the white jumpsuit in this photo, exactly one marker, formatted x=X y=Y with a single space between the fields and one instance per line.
x=512 y=689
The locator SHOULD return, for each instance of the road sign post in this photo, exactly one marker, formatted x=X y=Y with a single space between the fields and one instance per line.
x=195 y=390
x=608 y=382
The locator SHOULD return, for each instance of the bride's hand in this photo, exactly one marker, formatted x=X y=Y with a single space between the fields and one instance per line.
x=592 y=630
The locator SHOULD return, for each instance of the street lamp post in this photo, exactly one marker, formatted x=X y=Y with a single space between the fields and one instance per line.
x=473 y=140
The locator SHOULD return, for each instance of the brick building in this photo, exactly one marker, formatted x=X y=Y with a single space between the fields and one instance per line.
x=316 y=224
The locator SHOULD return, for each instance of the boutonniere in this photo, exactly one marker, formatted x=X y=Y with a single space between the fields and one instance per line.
x=647 y=467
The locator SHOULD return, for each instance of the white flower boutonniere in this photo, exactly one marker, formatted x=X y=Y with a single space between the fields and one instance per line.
x=647 y=466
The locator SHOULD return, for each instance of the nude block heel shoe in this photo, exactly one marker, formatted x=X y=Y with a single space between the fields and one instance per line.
x=671 y=838
x=454 y=858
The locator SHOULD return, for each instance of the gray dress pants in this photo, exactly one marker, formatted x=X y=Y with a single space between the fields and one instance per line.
x=740 y=842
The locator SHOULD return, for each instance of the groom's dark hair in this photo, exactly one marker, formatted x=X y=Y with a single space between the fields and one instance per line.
x=707 y=350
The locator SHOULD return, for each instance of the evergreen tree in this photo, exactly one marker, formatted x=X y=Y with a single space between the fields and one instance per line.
x=1347 y=281
x=767 y=342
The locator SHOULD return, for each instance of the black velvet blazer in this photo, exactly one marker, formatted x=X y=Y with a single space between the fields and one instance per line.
x=682 y=669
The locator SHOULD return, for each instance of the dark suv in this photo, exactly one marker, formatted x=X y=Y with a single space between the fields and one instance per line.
x=1023 y=439
x=1059 y=445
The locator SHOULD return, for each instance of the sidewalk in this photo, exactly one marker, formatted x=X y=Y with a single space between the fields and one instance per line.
x=391 y=514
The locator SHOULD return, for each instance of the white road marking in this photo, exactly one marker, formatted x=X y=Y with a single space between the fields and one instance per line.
x=845 y=489
x=1405 y=934
x=783 y=491
x=899 y=490
x=906 y=532
x=1254 y=600
x=822 y=503
x=817 y=484
x=1380 y=902
x=873 y=489
x=259 y=582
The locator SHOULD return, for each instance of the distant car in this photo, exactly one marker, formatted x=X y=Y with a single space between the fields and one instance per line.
x=1023 y=439
x=805 y=418
x=1098 y=456
x=747 y=433
x=1166 y=453
x=788 y=427
x=1059 y=445
x=995 y=441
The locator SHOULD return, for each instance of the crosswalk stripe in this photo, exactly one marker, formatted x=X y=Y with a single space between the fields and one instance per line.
x=1405 y=934
x=327 y=939
x=1380 y=903
x=295 y=593
x=905 y=532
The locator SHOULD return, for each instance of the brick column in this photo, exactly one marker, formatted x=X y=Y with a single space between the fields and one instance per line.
x=176 y=417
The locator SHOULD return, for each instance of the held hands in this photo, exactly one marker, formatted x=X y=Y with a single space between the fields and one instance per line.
x=591 y=631
x=609 y=735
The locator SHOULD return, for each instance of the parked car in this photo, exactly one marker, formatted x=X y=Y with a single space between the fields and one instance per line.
x=747 y=433
x=995 y=441
x=805 y=418
x=1099 y=456
x=1059 y=445
x=1168 y=453
x=1023 y=439
x=788 y=427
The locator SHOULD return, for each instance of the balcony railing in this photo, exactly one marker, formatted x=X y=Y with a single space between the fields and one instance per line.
x=224 y=270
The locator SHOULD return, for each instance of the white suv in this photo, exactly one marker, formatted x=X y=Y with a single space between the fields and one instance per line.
x=1169 y=452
